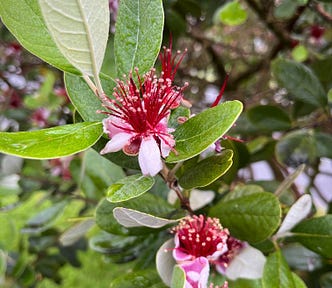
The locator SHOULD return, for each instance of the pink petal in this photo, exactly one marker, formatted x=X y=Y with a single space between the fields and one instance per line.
x=197 y=273
x=111 y=126
x=149 y=157
x=116 y=143
x=178 y=253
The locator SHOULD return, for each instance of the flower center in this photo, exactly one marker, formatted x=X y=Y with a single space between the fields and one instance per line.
x=200 y=236
x=145 y=104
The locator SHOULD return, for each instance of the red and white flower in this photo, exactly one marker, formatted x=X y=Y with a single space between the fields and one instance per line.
x=139 y=112
x=199 y=241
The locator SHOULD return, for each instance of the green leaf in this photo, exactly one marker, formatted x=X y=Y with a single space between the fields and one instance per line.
x=199 y=132
x=269 y=118
x=207 y=171
x=323 y=144
x=233 y=14
x=316 y=235
x=178 y=278
x=24 y=20
x=129 y=187
x=297 y=148
x=42 y=220
x=80 y=30
x=132 y=218
x=138 y=279
x=52 y=142
x=300 y=53
x=83 y=98
x=246 y=283
x=298 y=282
x=74 y=233
x=289 y=180
x=277 y=272
x=249 y=215
x=95 y=173
x=138 y=36
x=287 y=8
x=300 y=82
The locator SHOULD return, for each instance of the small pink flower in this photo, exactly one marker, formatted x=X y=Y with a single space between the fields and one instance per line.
x=198 y=236
x=138 y=119
x=234 y=247
x=198 y=242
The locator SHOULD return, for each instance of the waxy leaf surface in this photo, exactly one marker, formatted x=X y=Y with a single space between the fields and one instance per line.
x=207 y=170
x=316 y=235
x=252 y=216
x=199 y=132
x=51 y=143
x=83 y=98
x=277 y=272
x=138 y=36
x=80 y=30
x=25 y=21
x=132 y=218
x=300 y=81
x=129 y=187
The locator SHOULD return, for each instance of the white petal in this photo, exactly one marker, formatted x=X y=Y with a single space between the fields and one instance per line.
x=116 y=143
x=149 y=157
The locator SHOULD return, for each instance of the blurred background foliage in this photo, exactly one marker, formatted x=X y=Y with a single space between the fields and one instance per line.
x=278 y=54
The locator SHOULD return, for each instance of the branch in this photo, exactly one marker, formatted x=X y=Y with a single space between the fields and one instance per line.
x=322 y=12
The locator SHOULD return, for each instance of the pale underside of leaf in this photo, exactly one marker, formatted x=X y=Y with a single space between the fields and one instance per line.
x=132 y=218
x=74 y=233
x=249 y=264
x=165 y=262
x=80 y=30
x=296 y=214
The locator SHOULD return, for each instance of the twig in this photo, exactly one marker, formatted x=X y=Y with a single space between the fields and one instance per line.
x=322 y=12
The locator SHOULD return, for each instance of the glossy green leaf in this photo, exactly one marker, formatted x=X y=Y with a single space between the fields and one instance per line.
x=24 y=20
x=316 y=235
x=289 y=180
x=146 y=203
x=323 y=144
x=138 y=279
x=129 y=187
x=287 y=8
x=207 y=170
x=269 y=118
x=200 y=131
x=132 y=218
x=42 y=220
x=95 y=173
x=249 y=215
x=246 y=283
x=297 y=148
x=233 y=14
x=178 y=278
x=138 y=36
x=277 y=272
x=80 y=30
x=300 y=82
x=83 y=98
x=52 y=142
